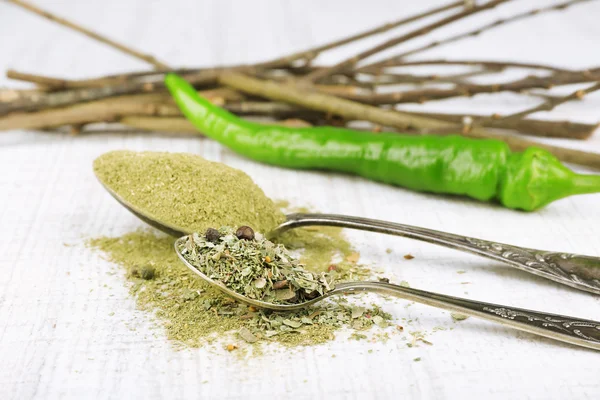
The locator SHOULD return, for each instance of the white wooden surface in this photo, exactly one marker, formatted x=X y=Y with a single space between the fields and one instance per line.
x=58 y=335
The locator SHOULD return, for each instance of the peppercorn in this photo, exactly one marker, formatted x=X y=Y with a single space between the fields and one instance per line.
x=280 y=284
x=212 y=235
x=147 y=273
x=245 y=233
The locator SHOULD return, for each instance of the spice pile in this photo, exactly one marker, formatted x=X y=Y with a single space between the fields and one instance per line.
x=194 y=194
x=253 y=266
x=193 y=313
x=187 y=191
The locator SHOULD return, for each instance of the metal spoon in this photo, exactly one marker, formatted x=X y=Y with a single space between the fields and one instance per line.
x=580 y=332
x=578 y=271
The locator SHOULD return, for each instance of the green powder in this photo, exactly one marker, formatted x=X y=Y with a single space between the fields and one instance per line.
x=320 y=245
x=187 y=191
x=193 y=194
x=193 y=313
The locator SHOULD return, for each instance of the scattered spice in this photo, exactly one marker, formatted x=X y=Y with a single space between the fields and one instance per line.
x=417 y=359
x=353 y=257
x=231 y=347
x=408 y=256
x=195 y=195
x=458 y=317
x=194 y=313
x=358 y=336
x=147 y=273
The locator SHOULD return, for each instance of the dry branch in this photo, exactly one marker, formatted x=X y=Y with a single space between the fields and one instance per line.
x=355 y=111
x=36 y=10
x=399 y=57
x=533 y=127
x=550 y=103
x=530 y=82
x=352 y=61
x=314 y=52
x=492 y=65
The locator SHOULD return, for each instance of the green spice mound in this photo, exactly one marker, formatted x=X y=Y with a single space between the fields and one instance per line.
x=255 y=267
x=193 y=313
x=187 y=191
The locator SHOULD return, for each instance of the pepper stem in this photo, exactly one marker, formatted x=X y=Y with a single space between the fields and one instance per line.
x=584 y=184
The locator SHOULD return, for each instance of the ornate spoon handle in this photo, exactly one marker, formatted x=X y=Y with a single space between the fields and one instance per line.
x=578 y=271
x=580 y=332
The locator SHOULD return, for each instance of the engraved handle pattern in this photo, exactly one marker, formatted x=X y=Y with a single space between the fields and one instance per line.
x=578 y=331
x=588 y=330
x=578 y=271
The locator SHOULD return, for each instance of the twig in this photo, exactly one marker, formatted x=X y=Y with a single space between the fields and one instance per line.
x=200 y=76
x=164 y=124
x=356 y=111
x=314 y=52
x=549 y=104
x=352 y=61
x=99 y=111
x=494 y=65
x=396 y=79
x=270 y=109
x=10 y=95
x=534 y=127
x=530 y=82
x=398 y=58
x=66 y=98
x=155 y=105
x=182 y=125
x=75 y=96
x=43 y=81
x=36 y=10
x=57 y=83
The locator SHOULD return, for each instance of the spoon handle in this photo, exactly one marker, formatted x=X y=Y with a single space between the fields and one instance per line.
x=578 y=271
x=577 y=331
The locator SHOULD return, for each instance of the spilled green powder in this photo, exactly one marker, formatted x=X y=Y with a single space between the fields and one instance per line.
x=323 y=247
x=187 y=191
x=193 y=194
x=193 y=313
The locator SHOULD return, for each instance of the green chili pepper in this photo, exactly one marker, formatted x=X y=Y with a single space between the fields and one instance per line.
x=482 y=169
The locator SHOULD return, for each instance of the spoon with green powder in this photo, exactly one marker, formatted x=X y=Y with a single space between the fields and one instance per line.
x=180 y=193
x=255 y=271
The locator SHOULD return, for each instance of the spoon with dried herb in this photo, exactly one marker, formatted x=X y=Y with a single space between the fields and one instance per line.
x=255 y=271
x=181 y=193
x=249 y=264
